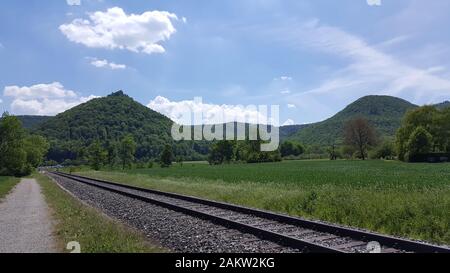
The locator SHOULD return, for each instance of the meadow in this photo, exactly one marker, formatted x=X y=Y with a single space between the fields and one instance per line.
x=409 y=200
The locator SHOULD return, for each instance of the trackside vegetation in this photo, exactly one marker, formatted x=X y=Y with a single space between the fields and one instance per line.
x=6 y=185
x=95 y=232
x=392 y=197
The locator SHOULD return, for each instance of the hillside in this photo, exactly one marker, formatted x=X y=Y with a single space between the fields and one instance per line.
x=442 y=105
x=108 y=119
x=384 y=112
x=32 y=122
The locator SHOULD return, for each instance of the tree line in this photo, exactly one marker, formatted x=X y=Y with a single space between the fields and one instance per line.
x=20 y=152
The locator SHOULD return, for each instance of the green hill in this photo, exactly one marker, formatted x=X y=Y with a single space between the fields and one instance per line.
x=109 y=119
x=384 y=112
x=443 y=105
x=32 y=122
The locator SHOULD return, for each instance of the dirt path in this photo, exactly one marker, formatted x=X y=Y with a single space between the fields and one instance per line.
x=25 y=223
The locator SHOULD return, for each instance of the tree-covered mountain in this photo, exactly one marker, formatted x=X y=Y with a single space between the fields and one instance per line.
x=383 y=112
x=32 y=122
x=442 y=105
x=109 y=119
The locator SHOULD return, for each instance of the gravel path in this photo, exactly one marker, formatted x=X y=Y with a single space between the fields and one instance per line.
x=174 y=230
x=25 y=223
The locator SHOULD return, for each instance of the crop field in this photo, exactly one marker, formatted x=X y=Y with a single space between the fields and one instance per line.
x=410 y=200
x=6 y=185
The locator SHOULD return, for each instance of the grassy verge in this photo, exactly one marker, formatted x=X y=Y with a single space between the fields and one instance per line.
x=7 y=184
x=95 y=232
x=409 y=200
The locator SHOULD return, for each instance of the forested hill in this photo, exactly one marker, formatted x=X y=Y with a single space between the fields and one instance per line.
x=384 y=112
x=32 y=122
x=108 y=119
x=443 y=105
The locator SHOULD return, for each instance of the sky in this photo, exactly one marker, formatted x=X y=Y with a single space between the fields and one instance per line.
x=310 y=57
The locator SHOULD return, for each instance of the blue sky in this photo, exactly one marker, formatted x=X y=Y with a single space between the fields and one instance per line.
x=310 y=57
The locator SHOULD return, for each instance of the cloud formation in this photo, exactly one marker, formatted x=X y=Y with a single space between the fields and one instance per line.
x=106 y=64
x=73 y=2
x=114 y=29
x=212 y=113
x=374 y=2
x=288 y=122
x=43 y=99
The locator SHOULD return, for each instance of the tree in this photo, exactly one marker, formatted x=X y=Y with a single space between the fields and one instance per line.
x=333 y=152
x=430 y=127
x=166 y=156
x=222 y=151
x=127 y=150
x=384 y=151
x=97 y=155
x=359 y=134
x=112 y=153
x=289 y=148
x=12 y=154
x=36 y=148
x=419 y=142
x=19 y=153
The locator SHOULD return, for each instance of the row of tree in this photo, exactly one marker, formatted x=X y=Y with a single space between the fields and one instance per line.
x=240 y=151
x=123 y=154
x=20 y=152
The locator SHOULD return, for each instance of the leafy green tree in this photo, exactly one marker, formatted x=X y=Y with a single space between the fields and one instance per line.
x=430 y=126
x=36 y=148
x=291 y=148
x=384 y=151
x=19 y=153
x=13 y=157
x=97 y=155
x=221 y=152
x=420 y=142
x=127 y=151
x=166 y=156
x=112 y=153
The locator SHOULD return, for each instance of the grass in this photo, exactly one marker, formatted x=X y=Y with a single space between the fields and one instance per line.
x=7 y=183
x=95 y=232
x=409 y=200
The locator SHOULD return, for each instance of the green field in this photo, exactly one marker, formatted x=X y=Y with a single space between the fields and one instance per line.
x=7 y=184
x=410 y=200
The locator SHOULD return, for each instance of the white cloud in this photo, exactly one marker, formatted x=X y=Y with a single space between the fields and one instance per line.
x=290 y=106
x=43 y=99
x=73 y=2
x=52 y=90
x=288 y=122
x=285 y=92
x=114 y=29
x=106 y=64
x=374 y=2
x=1 y=101
x=284 y=78
x=212 y=113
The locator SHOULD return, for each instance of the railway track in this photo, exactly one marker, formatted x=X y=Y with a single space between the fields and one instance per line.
x=292 y=232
